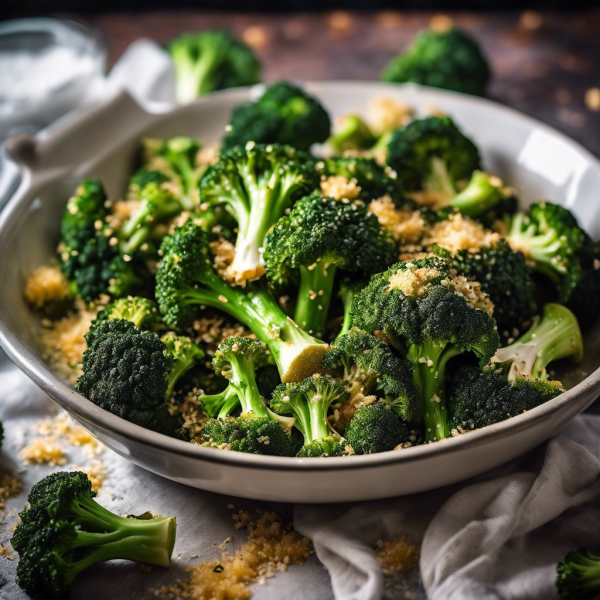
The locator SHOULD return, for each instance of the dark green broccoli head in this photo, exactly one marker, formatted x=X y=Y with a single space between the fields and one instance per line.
x=238 y=354
x=211 y=60
x=285 y=114
x=505 y=276
x=127 y=373
x=323 y=447
x=145 y=177
x=371 y=364
x=250 y=434
x=352 y=133
x=375 y=428
x=479 y=398
x=448 y=59
x=432 y=154
x=373 y=179
x=579 y=575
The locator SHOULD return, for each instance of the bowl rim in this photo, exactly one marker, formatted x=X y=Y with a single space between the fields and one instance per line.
x=71 y=401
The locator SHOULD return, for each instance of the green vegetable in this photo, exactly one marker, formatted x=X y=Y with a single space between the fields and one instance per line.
x=579 y=576
x=352 y=134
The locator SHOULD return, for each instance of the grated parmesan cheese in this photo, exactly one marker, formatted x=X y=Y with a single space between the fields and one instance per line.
x=45 y=285
x=406 y=226
x=339 y=187
x=397 y=556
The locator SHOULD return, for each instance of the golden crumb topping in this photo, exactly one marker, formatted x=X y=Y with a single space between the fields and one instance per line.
x=343 y=412
x=46 y=284
x=406 y=226
x=460 y=233
x=43 y=451
x=470 y=290
x=10 y=487
x=120 y=211
x=435 y=199
x=339 y=187
x=96 y=473
x=213 y=330
x=413 y=281
x=397 y=556
x=385 y=114
x=224 y=253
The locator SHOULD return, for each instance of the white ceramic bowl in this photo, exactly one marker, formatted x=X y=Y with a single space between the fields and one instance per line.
x=538 y=161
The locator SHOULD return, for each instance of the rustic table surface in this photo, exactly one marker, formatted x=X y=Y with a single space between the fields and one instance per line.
x=545 y=64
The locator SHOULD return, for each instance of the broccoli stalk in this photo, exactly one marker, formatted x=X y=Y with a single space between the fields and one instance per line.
x=349 y=288
x=430 y=315
x=482 y=193
x=187 y=281
x=352 y=134
x=579 y=576
x=308 y=401
x=257 y=185
x=65 y=531
x=556 y=335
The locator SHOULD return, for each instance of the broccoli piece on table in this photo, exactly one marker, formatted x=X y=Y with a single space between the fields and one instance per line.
x=430 y=315
x=579 y=576
x=142 y=312
x=448 y=59
x=130 y=373
x=352 y=134
x=320 y=237
x=187 y=281
x=432 y=154
x=211 y=60
x=89 y=260
x=554 y=336
x=257 y=185
x=285 y=114
x=308 y=401
x=504 y=275
x=65 y=531
x=370 y=365
x=373 y=179
x=478 y=399
x=375 y=428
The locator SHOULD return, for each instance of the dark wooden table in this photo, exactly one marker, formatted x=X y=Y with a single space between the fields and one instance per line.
x=544 y=64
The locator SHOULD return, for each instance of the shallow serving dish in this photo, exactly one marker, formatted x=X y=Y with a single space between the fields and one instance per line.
x=540 y=162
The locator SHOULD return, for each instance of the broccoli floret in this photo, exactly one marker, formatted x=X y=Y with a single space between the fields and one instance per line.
x=505 y=276
x=444 y=59
x=308 y=402
x=89 y=260
x=369 y=364
x=554 y=336
x=257 y=185
x=142 y=312
x=430 y=315
x=320 y=237
x=432 y=154
x=352 y=134
x=129 y=373
x=187 y=281
x=186 y=355
x=375 y=428
x=285 y=114
x=250 y=434
x=373 y=179
x=66 y=531
x=479 y=398
x=349 y=288
x=211 y=60
x=579 y=576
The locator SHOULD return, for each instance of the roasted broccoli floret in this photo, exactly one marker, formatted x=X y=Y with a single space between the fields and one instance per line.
x=479 y=398
x=370 y=365
x=89 y=260
x=142 y=312
x=505 y=276
x=375 y=428
x=432 y=154
x=352 y=134
x=579 y=576
x=430 y=316
x=65 y=531
x=448 y=59
x=186 y=355
x=549 y=235
x=186 y=281
x=320 y=237
x=285 y=114
x=211 y=60
x=130 y=373
x=554 y=336
x=308 y=402
x=373 y=179
x=248 y=433
x=257 y=184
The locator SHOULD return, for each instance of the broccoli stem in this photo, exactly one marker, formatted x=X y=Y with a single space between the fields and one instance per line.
x=480 y=195
x=314 y=297
x=221 y=405
x=318 y=425
x=438 y=178
x=244 y=380
x=347 y=295
x=429 y=360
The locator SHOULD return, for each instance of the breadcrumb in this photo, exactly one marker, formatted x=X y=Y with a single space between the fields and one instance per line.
x=46 y=284
x=397 y=556
x=436 y=199
x=385 y=114
x=10 y=487
x=339 y=187
x=413 y=282
x=406 y=226
x=343 y=413
x=96 y=473
x=63 y=428
x=211 y=331
x=43 y=451
x=224 y=253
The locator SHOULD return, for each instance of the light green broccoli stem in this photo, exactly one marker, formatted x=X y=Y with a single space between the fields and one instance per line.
x=243 y=379
x=429 y=360
x=194 y=74
x=314 y=297
x=221 y=405
x=480 y=195
x=438 y=178
x=354 y=134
